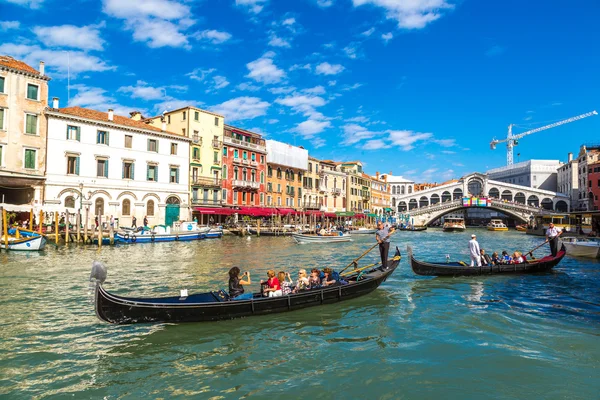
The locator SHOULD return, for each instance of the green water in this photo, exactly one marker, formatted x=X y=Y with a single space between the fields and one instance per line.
x=415 y=337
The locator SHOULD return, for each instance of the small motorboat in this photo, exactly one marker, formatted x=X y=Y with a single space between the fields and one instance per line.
x=331 y=237
x=20 y=239
x=214 y=233
x=582 y=247
x=463 y=269
x=159 y=233
x=362 y=231
x=521 y=228
x=454 y=225
x=497 y=225
x=216 y=305
x=412 y=228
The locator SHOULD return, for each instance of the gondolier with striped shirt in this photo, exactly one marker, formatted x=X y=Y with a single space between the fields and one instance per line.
x=383 y=238
x=552 y=234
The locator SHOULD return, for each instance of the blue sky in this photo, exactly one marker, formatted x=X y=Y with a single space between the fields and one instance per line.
x=416 y=87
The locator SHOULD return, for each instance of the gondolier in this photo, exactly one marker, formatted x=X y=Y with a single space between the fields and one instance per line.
x=552 y=234
x=383 y=238
x=475 y=251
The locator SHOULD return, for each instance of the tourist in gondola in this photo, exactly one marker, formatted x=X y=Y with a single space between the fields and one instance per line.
x=506 y=259
x=327 y=279
x=286 y=282
x=475 y=251
x=236 y=290
x=552 y=234
x=273 y=288
x=495 y=258
x=314 y=281
x=302 y=283
x=517 y=258
x=383 y=238
x=485 y=259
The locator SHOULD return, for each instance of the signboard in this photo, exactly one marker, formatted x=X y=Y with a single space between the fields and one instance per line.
x=476 y=202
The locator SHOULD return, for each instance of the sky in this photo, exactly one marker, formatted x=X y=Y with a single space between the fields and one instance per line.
x=418 y=88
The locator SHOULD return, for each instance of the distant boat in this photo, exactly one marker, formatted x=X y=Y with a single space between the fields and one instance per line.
x=582 y=247
x=454 y=225
x=413 y=229
x=521 y=228
x=23 y=240
x=362 y=231
x=497 y=225
x=162 y=233
x=333 y=237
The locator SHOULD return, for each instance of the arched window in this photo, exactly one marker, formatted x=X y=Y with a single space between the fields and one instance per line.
x=244 y=174
x=99 y=206
x=150 y=208
x=393 y=189
x=402 y=189
x=269 y=171
x=235 y=173
x=409 y=189
x=126 y=207
x=278 y=173
x=224 y=172
x=262 y=177
x=253 y=176
x=70 y=202
x=292 y=176
x=326 y=181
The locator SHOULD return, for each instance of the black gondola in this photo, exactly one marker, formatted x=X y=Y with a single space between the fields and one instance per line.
x=457 y=269
x=413 y=229
x=213 y=306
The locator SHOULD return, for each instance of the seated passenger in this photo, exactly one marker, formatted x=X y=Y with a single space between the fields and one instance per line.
x=495 y=258
x=236 y=290
x=286 y=284
x=273 y=287
x=485 y=258
x=302 y=282
x=506 y=259
x=328 y=278
x=517 y=258
x=313 y=280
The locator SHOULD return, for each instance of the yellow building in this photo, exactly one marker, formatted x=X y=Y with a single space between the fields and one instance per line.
x=205 y=128
x=23 y=131
x=380 y=195
x=312 y=199
x=333 y=186
x=358 y=187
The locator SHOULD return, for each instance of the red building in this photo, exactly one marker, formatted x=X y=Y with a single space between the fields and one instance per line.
x=244 y=168
x=593 y=189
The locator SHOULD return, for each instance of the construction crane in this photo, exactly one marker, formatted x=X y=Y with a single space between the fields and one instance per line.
x=512 y=140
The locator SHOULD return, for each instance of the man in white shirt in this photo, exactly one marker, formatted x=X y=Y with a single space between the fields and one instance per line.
x=475 y=252
x=552 y=234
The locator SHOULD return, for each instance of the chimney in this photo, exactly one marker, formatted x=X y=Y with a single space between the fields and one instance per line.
x=164 y=124
x=110 y=114
x=55 y=102
x=41 y=68
x=136 y=115
x=570 y=158
x=377 y=175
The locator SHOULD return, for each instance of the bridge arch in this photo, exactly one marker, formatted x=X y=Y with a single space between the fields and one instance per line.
x=412 y=204
x=446 y=196
x=402 y=207
x=507 y=195
x=547 y=203
x=561 y=206
x=475 y=186
x=520 y=198
x=494 y=193
x=435 y=199
x=511 y=213
x=533 y=201
x=457 y=194
x=423 y=201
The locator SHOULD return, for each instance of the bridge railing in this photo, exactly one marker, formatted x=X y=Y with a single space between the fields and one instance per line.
x=435 y=207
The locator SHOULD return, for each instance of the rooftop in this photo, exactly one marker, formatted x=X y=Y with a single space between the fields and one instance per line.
x=253 y=134
x=10 y=62
x=186 y=108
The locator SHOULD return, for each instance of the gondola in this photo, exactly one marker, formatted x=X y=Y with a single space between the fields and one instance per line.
x=216 y=305
x=413 y=229
x=457 y=269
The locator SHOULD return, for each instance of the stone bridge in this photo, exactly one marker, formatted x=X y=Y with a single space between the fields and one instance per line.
x=517 y=201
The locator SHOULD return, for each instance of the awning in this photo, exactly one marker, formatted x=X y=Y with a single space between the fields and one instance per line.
x=372 y=215
x=344 y=213
x=285 y=211
x=388 y=209
x=215 y=211
x=330 y=215
x=359 y=216
x=256 y=211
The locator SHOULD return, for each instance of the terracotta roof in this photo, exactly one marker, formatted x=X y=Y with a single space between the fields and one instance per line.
x=10 y=62
x=117 y=119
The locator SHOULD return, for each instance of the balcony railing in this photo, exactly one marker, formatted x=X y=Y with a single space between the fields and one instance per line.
x=336 y=191
x=206 y=181
x=246 y=162
x=246 y=184
x=314 y=206
x=237 y=160
x=322 y=188
x=252 y=146
x=207 y=202
x=216 y=144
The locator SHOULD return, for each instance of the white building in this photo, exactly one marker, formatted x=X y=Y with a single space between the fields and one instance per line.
x=537 y=174
x=587 y=155
x=568 y=179
x=399 y=187
x=105 y=164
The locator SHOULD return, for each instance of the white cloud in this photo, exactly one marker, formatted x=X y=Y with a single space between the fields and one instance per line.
x=301 y=102
x=289 y=21
x=295 y=67
x=33 y=4
x=375 y=144
x=406 y=139
x=311 y=127
x=158 y=23
x=329 y=69
x=282 y=90
x=324 y=3
x=143 y=91
x=253 y=6
x=332 y=83
x=220 y=82
x=354 y=133
x=445 y=142
x=248 y=86
x=387 y=37
x=242 y=108
x=315 y=90
x=353 y=50
x=84 y=38
x=214 y=83
x=96 y=99
x=264 y=70
x=448 y=152
x=276 y=41
x=200 y=74
x=7 y=25
x=411 y=14
x=360 y=119
x=56 y=60
x=213 y=36
x=348 y=88
x=368 y=32
x=272 y=121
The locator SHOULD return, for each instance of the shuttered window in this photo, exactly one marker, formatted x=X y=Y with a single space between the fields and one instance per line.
x=174 y=175
x=29 y=161
x=1 y=118
x=128 y=141
x=73 y=133
x=102 y=168
x=73 y=165
x=1 y=84
x=128 y=170
x=32 y=91
x=152 y=173
x=1 y=153
x=31 y=124
x=102 y=137
x=153 y=145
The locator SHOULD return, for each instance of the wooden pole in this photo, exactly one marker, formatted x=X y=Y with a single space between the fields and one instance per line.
x=85 y=227
x=41 y=223
x=66 y=227
x=78 y=221
x=111 y=233
x=56 y=227
x=5 y=228
x=258 y=227
x=31 y=219
x=99 y=231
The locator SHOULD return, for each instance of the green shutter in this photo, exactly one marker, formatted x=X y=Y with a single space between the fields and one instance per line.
x=177 y=175
x=156 y=171
x=76 y=165
x=107 y=138
x=106 y=169
x=123 y=170
x=148 y=173
x=78 y=134
x=157 y=145
x=1 y=85
x=132 y=171
x=30 y=159
x=31 y=124
x=32 y=92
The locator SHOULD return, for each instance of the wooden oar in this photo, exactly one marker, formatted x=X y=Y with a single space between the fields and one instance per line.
x=537 y=247
x=354 y=271
x=354 y=262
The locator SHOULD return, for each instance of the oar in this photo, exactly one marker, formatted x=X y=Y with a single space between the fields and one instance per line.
x=354 y=262
x=537 y=247
x=354 y=271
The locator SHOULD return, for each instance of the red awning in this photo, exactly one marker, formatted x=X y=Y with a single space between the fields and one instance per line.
x=215 y=211
x=257 y=211
x=359 y=216
x=330 y=215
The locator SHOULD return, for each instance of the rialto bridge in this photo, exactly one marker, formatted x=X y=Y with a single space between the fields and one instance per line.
x=517 y=201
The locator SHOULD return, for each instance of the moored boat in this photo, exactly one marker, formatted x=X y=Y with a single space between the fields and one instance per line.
x=463 y=269
x=521 y=228
x=581 y=247
x=497 y=225
x=216 y=305
x=161 y=233
x=214 y=233
x=333 y=237
x=454 y=225
x=23 y=240
x=362 y=231
x=413 y=229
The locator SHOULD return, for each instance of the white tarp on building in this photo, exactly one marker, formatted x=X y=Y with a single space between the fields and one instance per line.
x=287 y=155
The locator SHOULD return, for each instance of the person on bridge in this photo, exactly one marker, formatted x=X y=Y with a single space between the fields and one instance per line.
x=552 y=234
x=475 y=251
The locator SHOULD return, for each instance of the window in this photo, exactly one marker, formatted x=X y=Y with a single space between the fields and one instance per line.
x=70 y=202
x=183 y=131
x=150 y=208
x=224 y=151
x=153 y=145
x=235 y=173
x=1 y=84
x=73 y=133
x=196 y=115
x=235 y=197
x=196 y=153
x=30 y=156
x=126 y=207
x=216 y=158
x=128 y=169
x=262 y=198
x=128 y=141
x=168 y=119
x=278 y=173
x=243 y=197
x=253 y=157
x=102 y=168
x=245 y=155
x=1 y=118
x=224 y=194
x=262 y=159
x=73 y=165
x=1 y=152
x=152 y=173
x=224 y=171
x=31 y=124
x=309 y=167
x=173 y=149
x=184 y=115
x=102 y=137
x=174 y=175
x=235 y=153
x=262 y=177
x=216 y=121
x=32 y=91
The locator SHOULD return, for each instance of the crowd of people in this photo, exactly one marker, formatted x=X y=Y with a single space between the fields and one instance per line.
x=480 y=258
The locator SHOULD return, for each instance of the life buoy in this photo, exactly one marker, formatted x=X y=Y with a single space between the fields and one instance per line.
x=126 y=236
x=133 y=239
x=152 y=237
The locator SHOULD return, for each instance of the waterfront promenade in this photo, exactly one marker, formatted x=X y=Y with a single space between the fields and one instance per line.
x=500 y=337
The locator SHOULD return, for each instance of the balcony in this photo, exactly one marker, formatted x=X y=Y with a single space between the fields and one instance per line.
x=237 y=160
x=216 y=144
x=253 y=163
x=311 y=206
x=205 y=181
x=246 y=145
x=206 y=202
x=322 y=188
x=246 y=185
x=336 y=191
x=245 y=162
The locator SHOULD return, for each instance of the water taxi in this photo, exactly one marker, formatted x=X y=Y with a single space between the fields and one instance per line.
x=582 y=247
x=454 y=225
x=497 y=225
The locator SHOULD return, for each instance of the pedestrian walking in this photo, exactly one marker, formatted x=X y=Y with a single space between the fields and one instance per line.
x=134 y=222
x=475 y=251
x=552 y=234
x=145 y=221
x=383 y=238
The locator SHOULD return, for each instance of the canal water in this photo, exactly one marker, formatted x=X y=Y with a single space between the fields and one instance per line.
x=500 y=337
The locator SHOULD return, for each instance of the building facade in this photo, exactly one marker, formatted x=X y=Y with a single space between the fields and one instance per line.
x=537 y=174
x=332 y=187
x=594 y=186
x=358 y=187
x=286 y=167
x=588 y=155
x=244 y=168
x=399 y=187
x=380 y=195
x=568 y=179
x=101 y=164
x=23 y=98
x=206 y=130
x=312 y=199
